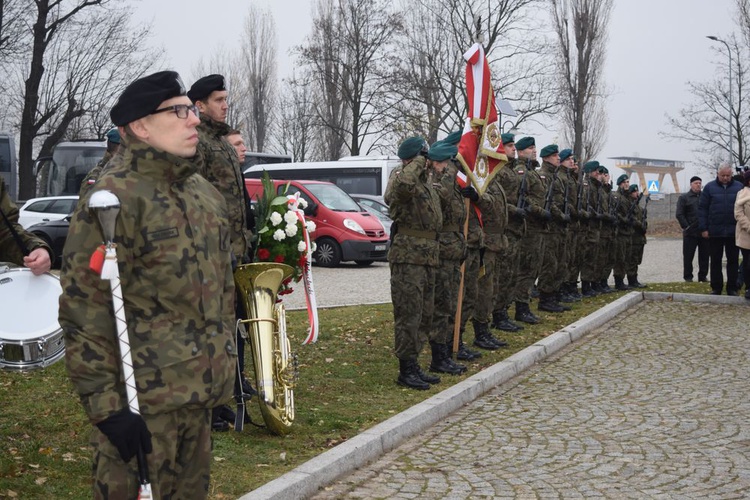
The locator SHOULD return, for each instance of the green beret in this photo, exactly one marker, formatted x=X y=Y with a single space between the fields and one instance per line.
x=441 y=151
x=145 y=95
x=113 y=136
x=411 y=147
x=603 y=169
x=203 y=87
x=565 y=154
x=549 y=150
x=590 y=166
x=622 y=179
x=525 y=143
x=454 y=137
x=632 y=188
x=507 y=138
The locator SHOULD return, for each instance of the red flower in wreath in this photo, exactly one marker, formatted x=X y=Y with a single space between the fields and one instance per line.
x=279 y=258
x=263 y=254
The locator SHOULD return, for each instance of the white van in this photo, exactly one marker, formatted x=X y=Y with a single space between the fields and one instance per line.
x=353 y=174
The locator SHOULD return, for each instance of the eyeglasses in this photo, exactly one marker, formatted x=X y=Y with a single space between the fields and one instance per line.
x=181 y=110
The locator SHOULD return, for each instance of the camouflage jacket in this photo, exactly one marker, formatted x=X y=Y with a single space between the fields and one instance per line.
x=494 y=208
x=608 y=221
x=453 y=205
x=414 y=207
x=222 y=169
x=552 y=174
x=624 y=226
x=535 y=194
x=571 y=183
x=10 y=251
x=510 y=177
x=173 y=253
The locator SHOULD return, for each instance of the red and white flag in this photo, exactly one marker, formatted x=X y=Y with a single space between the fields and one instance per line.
x=480 y=150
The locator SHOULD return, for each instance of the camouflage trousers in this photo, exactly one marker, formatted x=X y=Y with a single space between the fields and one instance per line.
x=553 y=258
x=590 y=255
x=447 y=279
x=413 y=296
x=471 y=279
x=530 y=260
x=607 y=253
x=506 y=277
x=179 y=466
x=635 y=256
x=485 y=301
x=623 y=242
x=576 y=243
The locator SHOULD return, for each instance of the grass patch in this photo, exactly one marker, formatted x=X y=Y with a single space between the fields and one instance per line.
x=347 y=385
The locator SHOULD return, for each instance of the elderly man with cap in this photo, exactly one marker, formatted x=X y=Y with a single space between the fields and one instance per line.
x=570 y=269
x=624 y=236
x=414 y=206
x=640 y=226
x=173 y=254
x=687 y=215
x=555 y=251
x=113 y=145
x=591 y=203
x=537 y=227
x=221 y=166
x=506 y=278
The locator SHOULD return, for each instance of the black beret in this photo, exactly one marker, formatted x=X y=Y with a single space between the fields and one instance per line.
x=549 y=150
x=143 y=96
x=525 y=143
x=695 y=178
x=203 y=87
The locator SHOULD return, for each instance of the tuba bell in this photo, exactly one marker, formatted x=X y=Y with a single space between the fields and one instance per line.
x=276 y=367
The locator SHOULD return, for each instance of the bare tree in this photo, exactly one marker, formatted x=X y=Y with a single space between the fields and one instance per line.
x=704 y=121
x=295 y=134
x=11 y=28
x=581 y=30
x=346 y=56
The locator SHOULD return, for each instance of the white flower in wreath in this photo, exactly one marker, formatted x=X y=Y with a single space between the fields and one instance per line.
x=290 y=218
x=291 y=230
x=302 y=203
x=279 y=235
x=276 y=218
x=310 y=226
x=301 y=246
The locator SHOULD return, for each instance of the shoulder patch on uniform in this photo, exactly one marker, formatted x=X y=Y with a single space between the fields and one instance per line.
x=519 y=172
x=163 y=234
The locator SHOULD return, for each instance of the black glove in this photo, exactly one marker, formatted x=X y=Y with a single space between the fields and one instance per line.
x=127 y=431
x=546 y=215
x=519 y=212
x=470 y=193
x=566 y=218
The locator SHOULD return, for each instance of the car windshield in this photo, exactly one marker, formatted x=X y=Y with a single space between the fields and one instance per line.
x=334 y=197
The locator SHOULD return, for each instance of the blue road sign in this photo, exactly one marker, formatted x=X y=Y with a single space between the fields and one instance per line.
x=653 y=186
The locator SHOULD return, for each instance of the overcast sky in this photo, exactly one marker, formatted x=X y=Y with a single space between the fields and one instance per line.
x=655 y=47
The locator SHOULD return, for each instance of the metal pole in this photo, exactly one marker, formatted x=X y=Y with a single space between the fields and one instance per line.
x=731 y=140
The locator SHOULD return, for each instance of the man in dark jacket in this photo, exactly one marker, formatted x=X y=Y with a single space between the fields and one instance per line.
x=716 y=224
x=687 y=216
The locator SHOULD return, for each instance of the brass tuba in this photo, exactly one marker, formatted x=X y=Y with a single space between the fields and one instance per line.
x=276 y=367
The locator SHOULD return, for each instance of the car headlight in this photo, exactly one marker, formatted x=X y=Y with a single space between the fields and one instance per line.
x=354 y=226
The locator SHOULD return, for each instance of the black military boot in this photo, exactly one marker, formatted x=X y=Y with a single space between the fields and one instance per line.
x=587 y=290
x=596 y=287
x=634 y=283
x=501 y=321
x=464 y=353
x=408 y=376
x=558 y=298
x=605 y=286
x=574 y=290
x=426 y=377
x=524 y=314
x=620 y=284
x=483 y=338
x=565 y=295
x=548 y=303
x=442 y=362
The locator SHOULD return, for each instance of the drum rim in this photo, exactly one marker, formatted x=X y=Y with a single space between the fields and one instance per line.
x=44 y=332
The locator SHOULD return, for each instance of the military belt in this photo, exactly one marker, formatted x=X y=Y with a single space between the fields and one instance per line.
x=450 y=228
x=417 y=233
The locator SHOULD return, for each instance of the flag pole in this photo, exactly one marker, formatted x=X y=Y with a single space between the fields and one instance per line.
x=457 y=324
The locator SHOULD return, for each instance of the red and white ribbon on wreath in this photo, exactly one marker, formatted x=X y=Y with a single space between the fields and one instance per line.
x=312 y=304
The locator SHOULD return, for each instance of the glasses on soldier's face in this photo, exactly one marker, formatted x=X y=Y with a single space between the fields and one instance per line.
x=181 y=110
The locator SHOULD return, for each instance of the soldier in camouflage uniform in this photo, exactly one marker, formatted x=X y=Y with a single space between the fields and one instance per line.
x=113 y=145
x=608 y=232
x=624 y=236
x=173 y=251
x=17 y=245
x=221 y=167
x=506 y=276
x=452 y=253
x=413 y=257
x=554 y=257
x=572 y=267
x=591 y=202
x=640 y=226
x=537 y=228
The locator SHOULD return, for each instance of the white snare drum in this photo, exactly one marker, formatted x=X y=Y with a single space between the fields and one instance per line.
x=30 y=336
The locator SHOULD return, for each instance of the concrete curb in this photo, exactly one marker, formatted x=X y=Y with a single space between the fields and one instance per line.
x=307 y=479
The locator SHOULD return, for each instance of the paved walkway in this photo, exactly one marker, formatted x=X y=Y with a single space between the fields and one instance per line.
x=653 y=404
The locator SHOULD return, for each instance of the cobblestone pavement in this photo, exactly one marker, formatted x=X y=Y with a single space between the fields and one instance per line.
x=652 y=405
